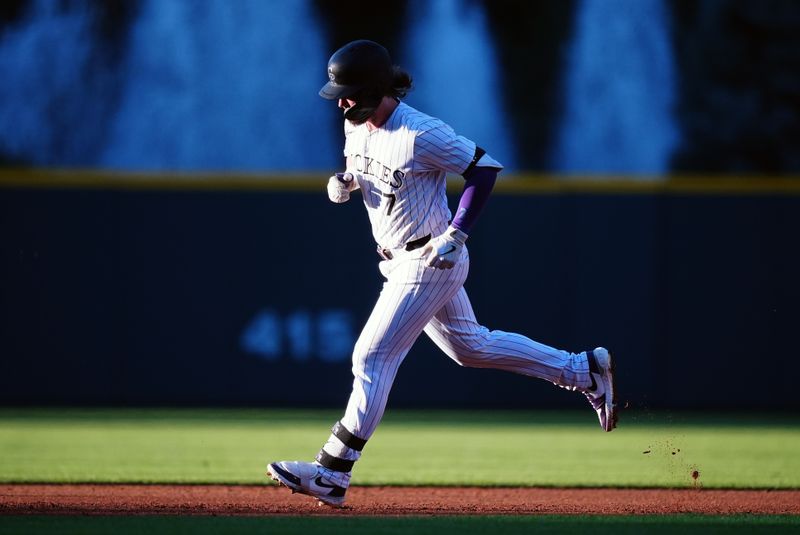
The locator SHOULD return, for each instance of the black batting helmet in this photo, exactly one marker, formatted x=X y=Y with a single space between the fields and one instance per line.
x=358 y=65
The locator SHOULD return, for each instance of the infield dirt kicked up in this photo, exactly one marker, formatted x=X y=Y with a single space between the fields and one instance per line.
x=265 y=500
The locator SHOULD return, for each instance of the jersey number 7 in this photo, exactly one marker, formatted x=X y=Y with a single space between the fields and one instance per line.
x=390 y=204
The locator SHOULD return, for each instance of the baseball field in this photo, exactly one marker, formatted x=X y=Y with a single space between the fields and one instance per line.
x=202 y=471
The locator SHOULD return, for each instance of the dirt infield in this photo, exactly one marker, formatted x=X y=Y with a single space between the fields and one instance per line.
x=271 y=500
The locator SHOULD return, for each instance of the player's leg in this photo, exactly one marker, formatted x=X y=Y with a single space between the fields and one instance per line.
x=411 y=296
x=409 y=299
x=456 y=331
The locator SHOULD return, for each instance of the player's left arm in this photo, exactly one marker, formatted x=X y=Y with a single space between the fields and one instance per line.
x=445 y=250
x=479 y=179
x=440 y=148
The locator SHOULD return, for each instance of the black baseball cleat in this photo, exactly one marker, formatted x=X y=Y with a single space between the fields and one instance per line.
x=602 y=394
x=307 y=478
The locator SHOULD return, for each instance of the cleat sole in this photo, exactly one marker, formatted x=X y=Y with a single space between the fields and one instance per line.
x=614 y=416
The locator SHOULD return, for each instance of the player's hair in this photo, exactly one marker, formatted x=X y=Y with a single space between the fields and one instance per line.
x=402 y=82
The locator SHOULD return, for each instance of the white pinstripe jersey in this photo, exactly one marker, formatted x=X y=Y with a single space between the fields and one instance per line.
x=401 y=169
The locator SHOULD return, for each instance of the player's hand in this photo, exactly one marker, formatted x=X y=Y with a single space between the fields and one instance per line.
x=444 y=251
x=339 y=187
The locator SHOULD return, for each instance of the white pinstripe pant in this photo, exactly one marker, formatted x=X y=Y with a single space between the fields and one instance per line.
x=417 y=298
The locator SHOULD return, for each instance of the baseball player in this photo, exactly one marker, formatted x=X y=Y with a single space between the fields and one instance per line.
x=398 y=158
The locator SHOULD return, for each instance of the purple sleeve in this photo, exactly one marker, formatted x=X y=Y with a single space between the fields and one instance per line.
x=478 y=184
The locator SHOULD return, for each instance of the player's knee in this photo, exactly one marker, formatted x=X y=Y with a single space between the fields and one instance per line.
x=366 y=352
x=468 y=351
x=468 y=359
x=360 y=356
x=362 y=348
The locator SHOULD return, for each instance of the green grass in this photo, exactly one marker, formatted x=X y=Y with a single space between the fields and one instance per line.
x=415 y=448
x=494 y=525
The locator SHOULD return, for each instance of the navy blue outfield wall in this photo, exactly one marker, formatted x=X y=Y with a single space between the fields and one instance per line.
x=138 y=291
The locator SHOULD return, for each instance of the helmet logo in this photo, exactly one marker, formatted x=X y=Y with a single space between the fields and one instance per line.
x=331 y=76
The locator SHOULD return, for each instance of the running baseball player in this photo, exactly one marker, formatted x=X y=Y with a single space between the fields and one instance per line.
x=398 y=158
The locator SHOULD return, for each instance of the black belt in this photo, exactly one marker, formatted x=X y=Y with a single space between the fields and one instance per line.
x=386 y=254
x=416 y=244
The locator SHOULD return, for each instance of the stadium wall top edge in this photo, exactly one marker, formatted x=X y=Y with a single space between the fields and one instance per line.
x=512 y=183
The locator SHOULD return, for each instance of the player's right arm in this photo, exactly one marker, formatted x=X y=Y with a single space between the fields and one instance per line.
x=340 y=185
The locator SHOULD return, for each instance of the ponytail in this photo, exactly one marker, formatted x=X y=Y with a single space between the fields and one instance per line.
x=401 y=82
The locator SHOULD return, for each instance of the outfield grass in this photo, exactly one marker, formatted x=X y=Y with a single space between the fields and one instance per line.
x=409 y=448
x=447 y=525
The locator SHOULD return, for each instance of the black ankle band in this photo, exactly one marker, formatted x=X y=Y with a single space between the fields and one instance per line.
x=592 y=362
x=334 y=463
x=348 y=438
